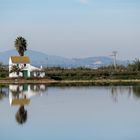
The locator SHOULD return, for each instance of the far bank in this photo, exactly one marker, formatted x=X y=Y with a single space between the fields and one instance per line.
x=101 y=82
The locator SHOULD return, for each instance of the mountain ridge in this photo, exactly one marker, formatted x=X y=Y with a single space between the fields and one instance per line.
x=40 y=58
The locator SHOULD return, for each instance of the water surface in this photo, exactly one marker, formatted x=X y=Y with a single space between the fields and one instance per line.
x=70 y=113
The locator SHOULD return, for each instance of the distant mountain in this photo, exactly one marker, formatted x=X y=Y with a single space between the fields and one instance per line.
x=39 y=58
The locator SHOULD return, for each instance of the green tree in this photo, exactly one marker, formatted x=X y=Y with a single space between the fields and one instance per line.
x=21 y=45
x=16 y=69
x=135 y=66
x=3 y=70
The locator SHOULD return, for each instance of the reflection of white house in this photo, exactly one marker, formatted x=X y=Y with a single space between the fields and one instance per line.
x=16 y=96
x=21 y=94
x=27 y=70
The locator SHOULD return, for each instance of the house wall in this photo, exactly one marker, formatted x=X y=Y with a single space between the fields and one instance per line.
x=14 y=74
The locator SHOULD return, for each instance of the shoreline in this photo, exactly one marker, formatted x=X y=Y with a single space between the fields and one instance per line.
x=101 y=82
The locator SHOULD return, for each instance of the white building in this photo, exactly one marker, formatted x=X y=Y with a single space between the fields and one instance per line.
x=27 y=70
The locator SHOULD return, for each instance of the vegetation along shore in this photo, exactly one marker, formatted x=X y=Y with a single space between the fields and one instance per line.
x=122 y=75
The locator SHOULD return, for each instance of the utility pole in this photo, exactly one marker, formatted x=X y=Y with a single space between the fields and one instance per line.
x=114 y=55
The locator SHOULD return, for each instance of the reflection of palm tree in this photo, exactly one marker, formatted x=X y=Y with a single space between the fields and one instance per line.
x=21 y=115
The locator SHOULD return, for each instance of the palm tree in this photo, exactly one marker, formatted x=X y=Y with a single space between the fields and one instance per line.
x=21 y=45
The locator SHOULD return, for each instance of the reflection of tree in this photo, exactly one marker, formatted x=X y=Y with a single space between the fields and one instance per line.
x=2 y=95
x=116 y=91
x=136 y=91
x=16 y=92
x=2 y=92
x=114 y=94
x=21 y=115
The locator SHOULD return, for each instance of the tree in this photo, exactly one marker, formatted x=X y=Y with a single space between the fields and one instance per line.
x=21 y=45
x=16 y=69
x=3 y=70
x=135 y=66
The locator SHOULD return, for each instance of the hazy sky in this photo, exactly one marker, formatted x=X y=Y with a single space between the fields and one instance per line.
x=73 y=28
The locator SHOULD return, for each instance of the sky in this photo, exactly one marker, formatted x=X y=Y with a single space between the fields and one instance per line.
x=73 y=28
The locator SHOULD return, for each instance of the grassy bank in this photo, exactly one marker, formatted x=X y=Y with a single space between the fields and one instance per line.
x=80 y=76
x=91 y=74
x=103 y=82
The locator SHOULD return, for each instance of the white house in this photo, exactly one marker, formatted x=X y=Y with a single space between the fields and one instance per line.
x=27 y=70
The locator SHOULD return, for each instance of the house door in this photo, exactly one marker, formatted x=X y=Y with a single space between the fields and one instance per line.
x=25 y=73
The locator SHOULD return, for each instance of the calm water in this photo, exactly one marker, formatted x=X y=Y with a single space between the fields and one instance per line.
x=69 y=113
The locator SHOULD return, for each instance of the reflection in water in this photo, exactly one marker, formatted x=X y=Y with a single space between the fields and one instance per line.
x=116 y=91
x=72 y=113
x=19 y=95
x=136 y=91
x=130 y=91
x=21 y=115
x=3 y=92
